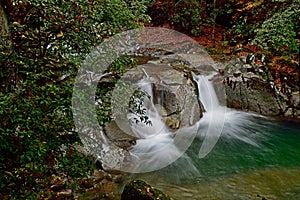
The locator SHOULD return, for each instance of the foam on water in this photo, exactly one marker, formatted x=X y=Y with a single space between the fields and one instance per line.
x=157 y=146
x=220 y=121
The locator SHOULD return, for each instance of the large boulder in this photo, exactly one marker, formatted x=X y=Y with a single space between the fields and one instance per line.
x=251 y=86
x=174 y=94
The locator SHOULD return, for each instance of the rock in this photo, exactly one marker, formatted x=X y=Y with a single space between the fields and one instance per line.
x=118 y=137
x=176 y=93
x=58 y=183
x=116 y=159
x=140 y=190
x=103 y=190
x=237 y=73
x=251 y=87
x=172 y=123
x=252 y=95
x=104 y=185
x=66 y=194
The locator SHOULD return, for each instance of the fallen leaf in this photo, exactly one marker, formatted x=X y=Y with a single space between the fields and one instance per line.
x=60 y=35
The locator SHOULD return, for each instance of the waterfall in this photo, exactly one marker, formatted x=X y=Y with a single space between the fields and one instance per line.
x=157 y=127
x=157 y=147
x=207 y=94
x=219 y=120
x=212 y=122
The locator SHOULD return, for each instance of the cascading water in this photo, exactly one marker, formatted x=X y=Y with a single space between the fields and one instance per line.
x=157 y=127
x=212 y=123
x=207 y=94
x=254 y=155
x=219 y=119
x=157 y=146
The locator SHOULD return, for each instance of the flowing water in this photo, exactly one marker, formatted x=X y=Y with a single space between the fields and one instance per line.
x=158 y=146
x=235 y=155
x=236 y=169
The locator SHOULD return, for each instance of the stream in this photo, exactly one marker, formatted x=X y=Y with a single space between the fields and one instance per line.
x=235 y=169
x=253 y=157
x=227 y=154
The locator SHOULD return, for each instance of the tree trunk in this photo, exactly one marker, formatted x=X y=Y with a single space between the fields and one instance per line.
x=6 y=73
x=3 y=23
x=214 y=25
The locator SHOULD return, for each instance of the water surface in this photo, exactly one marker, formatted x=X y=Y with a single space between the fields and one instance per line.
x=237 y=169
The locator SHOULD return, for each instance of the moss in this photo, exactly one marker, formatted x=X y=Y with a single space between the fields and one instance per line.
x=138 y=189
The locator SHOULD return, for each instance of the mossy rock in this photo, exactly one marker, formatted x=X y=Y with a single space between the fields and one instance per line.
x=140 y=190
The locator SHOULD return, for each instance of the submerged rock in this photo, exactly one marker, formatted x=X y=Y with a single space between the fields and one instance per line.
x=99 y=185
x=140 y=190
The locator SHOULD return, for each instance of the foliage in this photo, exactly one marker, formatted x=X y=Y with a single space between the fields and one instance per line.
x=187 y=17
x=137 y=108
x=241 y=17
x=48 y=40
x=278 y=34
x=105 y=89
x=40 y=56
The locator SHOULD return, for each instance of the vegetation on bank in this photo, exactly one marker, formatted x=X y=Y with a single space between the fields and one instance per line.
x=43 y=43
x=39 y=57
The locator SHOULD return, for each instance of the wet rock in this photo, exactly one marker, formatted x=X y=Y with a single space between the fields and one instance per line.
x=103 y=190
x=172 y=123
x=65 y=194
x=58 y=182
x=138 y=189
x=60 y=188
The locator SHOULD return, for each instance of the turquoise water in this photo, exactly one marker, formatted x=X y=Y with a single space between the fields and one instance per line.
x=268 y=167
x=278 y=145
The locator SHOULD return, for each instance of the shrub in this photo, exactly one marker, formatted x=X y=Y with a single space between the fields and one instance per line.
x=278 y=34
x=187 y=17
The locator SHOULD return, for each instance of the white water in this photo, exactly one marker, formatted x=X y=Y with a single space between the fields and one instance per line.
x=212 y=122
x=208 y=96
x=219 y=120
x=234 y=159
x=157 y=127
x=158 y=147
